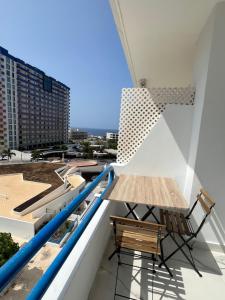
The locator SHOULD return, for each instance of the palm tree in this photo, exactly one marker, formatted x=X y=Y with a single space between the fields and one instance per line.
x=63 y=147
x=88 y=153
x=8 y=153
x=35 y=155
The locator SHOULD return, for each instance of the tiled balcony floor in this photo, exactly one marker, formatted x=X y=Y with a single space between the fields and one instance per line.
x=142 y=284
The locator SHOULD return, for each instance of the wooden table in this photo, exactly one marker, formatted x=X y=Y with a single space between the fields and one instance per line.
x=153 y=192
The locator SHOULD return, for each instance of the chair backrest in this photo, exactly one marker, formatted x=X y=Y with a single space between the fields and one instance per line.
x=138 y=224
x=207 y=203
x=137 y=235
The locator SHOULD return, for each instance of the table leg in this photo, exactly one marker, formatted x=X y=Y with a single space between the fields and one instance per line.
x=133 y=208
x=131 y=211
x=148 y=213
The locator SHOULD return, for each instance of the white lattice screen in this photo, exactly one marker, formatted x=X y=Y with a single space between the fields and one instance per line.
x=140 y=109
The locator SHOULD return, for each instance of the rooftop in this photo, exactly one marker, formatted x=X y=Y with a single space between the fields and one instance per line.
x=14 y=191
x=39 y=172
x=82 y=163
x=32 y=272
x=21 y=184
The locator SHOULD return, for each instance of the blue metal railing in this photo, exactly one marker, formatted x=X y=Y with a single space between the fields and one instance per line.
x=14 y=265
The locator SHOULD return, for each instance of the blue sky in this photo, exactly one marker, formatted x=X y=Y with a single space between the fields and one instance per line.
x=76 y=42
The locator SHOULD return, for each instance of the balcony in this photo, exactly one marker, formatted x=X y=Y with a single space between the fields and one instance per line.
x=81 y=270
x=136 y=283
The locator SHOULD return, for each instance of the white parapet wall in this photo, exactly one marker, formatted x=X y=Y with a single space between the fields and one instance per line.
x=19 y=228
x=76 y=276
x=57 y=203
x=46 y=199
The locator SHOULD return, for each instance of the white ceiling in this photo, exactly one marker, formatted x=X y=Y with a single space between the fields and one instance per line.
x=159 y=37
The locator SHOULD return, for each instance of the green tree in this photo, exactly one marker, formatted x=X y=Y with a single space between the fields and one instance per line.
x=3 y=155
x=86 y=146
x=7 y=247
x=8 y=153
x=60 y=147
x=36 y=154
x=88 y=153
x=112 y=144
x=63 y=147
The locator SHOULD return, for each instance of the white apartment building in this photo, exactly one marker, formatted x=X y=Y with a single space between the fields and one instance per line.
x=34 y=108
x=112 y=136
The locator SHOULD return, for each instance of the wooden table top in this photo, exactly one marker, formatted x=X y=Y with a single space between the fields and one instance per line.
x=161 y=192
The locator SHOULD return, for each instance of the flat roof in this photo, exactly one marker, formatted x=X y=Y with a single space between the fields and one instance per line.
x=75 y=180
x=34 y=181
x=14 y=191
x=31 y=272
x=40 y=172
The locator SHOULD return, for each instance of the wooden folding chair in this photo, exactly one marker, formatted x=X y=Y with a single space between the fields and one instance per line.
x=138 y=236
x=177 y=223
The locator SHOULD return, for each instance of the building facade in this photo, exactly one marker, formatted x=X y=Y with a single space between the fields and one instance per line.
x=34 y=108
x=112 y=136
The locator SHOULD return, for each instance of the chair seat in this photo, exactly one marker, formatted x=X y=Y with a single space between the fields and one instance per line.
x=138 y=239
x=175 y=222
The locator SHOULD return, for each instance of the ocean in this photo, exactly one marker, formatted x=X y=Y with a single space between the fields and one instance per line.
x=97 y=131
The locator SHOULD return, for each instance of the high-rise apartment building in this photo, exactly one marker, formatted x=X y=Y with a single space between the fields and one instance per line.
x=34 y=108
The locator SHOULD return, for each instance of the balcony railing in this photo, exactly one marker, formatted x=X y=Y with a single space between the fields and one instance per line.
x=14 y=265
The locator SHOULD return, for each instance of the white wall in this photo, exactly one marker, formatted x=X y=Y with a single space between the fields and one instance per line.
x=207 y=156
x=165 y=150
x=57 y=203
x=44 y=218
x=19 y=228
x=46 y=199
x=76 y=276
x=200 y=79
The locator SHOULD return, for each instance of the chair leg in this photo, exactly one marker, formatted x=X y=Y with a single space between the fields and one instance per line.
x=179 y=247
x=118 y=256
x=163 y=263
x=162 y=256
x=189 y=247
x=161 y=248
x=117 y=273
x=153 y=264
x=111 y=255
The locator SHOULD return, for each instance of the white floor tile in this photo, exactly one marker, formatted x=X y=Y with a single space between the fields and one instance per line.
x=142 y=284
